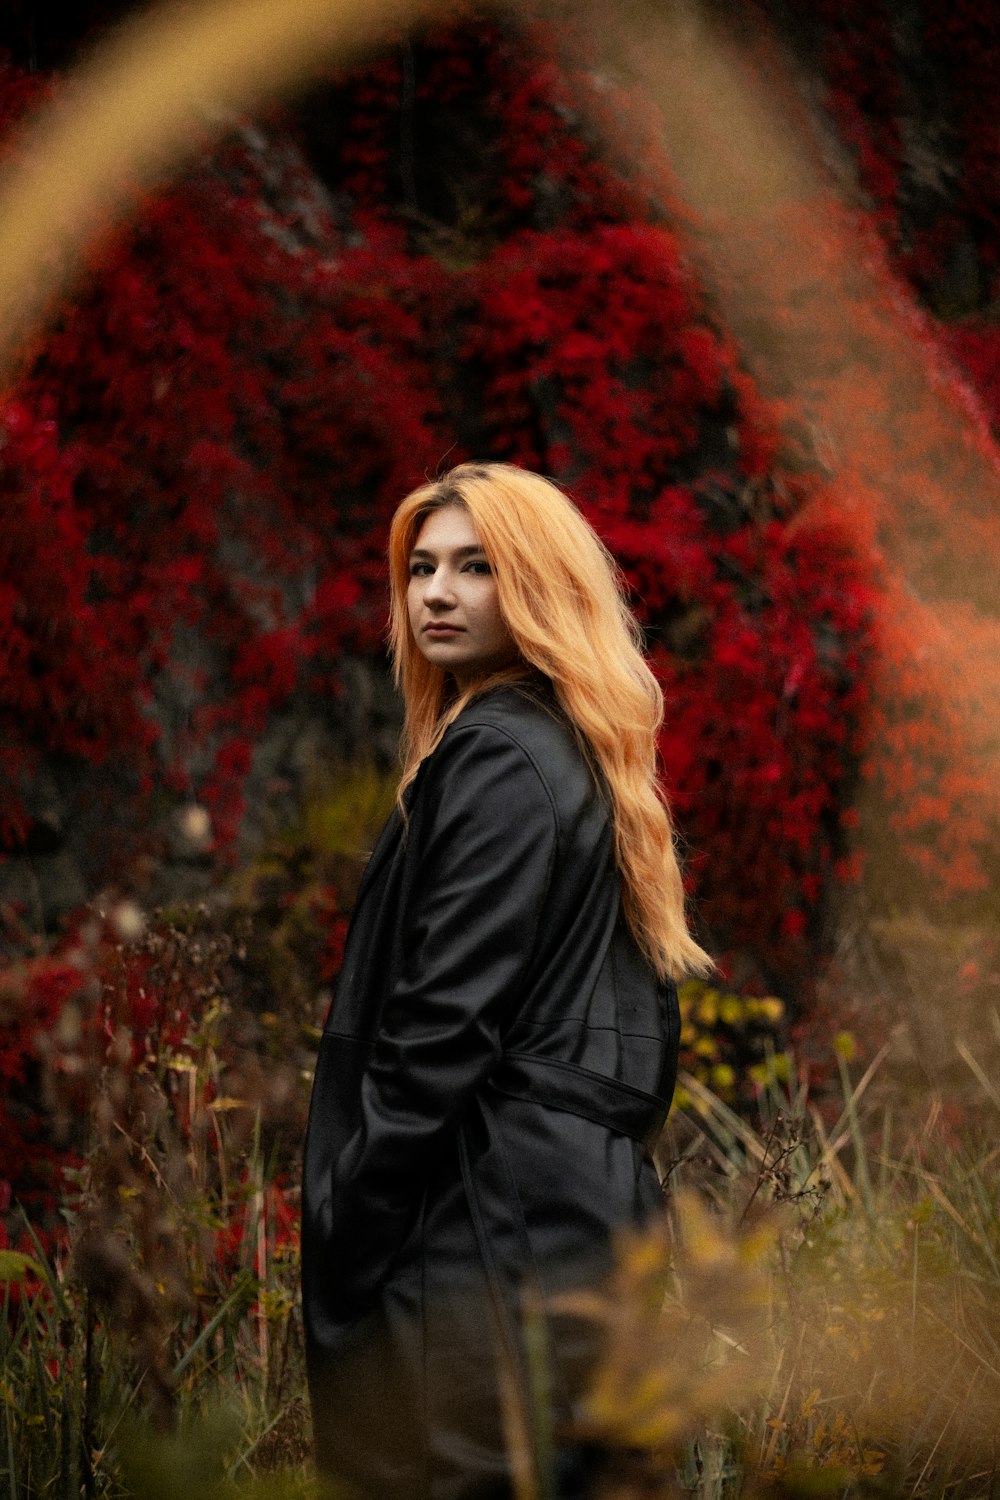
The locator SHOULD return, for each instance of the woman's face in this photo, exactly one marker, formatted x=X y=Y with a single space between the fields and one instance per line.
x=452 y=599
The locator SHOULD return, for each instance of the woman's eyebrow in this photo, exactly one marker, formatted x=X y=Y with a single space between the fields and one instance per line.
x=458 y=552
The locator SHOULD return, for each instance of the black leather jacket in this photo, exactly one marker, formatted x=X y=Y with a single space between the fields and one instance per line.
x=497 y=1056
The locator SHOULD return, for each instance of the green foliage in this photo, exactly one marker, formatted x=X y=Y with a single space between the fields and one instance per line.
x=296 y=895
x=86 y=1411
x=206 y=1459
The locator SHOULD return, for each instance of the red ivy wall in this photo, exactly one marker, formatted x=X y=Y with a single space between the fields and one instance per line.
x=913 y=91
x=428 y=261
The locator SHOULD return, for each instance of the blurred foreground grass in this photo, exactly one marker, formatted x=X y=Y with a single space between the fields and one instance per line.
x=832 y=1318
x=817 y=1312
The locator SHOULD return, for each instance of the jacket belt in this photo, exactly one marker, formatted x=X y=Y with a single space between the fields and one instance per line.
x=580 y=1091
x=491 y=1187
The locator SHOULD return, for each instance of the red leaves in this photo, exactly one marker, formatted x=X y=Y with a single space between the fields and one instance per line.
x=920 y=118
x=977 y=350
x=224 y=425
x=222 y=418
x=602 y=338
x=58 y=686
x=756 y=746
x=272 y=661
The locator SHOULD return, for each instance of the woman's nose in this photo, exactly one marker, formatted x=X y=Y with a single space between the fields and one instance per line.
x=438 y=589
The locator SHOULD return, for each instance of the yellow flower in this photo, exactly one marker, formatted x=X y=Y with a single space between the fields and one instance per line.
x=731 y=1010
x=708 y=1009
x=723 y=1078
x=845 y=1046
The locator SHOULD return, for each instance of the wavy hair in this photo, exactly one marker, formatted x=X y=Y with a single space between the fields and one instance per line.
x=560 y=594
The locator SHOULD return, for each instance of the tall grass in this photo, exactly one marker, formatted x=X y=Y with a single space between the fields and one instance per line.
x=816 y=1312
x=832 y=1319
x=159 y=1302
x=151 y=1341
x=102 y=1390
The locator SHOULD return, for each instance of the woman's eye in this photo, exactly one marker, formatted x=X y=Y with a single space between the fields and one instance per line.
x=420 y=569
x=481 y=568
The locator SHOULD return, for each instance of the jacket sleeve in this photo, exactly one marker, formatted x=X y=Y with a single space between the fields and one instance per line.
x=482 y=869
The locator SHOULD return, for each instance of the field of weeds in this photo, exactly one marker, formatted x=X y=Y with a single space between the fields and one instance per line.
x=827 y=1268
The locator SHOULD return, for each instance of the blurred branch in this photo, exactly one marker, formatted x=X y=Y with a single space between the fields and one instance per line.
x=139 y=105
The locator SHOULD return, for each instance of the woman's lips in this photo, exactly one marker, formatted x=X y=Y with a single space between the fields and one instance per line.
x=441 y=632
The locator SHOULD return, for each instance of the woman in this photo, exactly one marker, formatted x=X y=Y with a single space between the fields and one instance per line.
x=501 y=1051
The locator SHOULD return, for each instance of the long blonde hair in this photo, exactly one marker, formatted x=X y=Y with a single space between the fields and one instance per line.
x=560 y=595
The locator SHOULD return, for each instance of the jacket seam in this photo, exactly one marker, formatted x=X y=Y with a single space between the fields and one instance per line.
x=457 y=728
x=642 y=1036
x=479 y=709
x=559 y=1064
x=613 y=956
